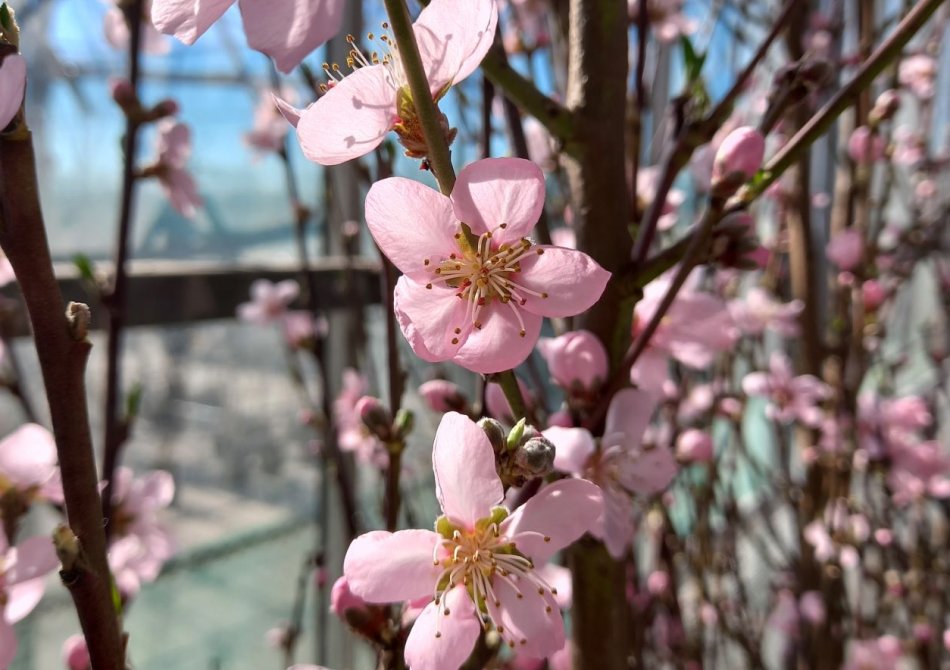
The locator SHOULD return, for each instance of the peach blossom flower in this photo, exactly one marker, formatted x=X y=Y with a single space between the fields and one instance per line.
x=12 y=87
x=22 y=571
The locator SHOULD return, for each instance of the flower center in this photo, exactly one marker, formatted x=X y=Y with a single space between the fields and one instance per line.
x=387 y=56
x=483 y=561
x=484 y=274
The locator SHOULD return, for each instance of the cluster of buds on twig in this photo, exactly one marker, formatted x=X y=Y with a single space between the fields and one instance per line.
x=379 y=422
x=521 y=454
x=124 y=95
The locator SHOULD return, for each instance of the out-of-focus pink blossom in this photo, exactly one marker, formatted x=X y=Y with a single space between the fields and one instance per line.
x=694 y=446
x=918 y=73
x=300 y=328
x=475 y=538
x=666 y=17
x=442 y=396
x=351 y=433
x=883 y=653
x=812 y=607
x=116 y=30
x=286 y=31
x=359 y=110
x=541 y=146
x=269 y=301
x=695 y=329
x=577 y=360
x=28 y=465
x=12 y=87
x=873 y=294
x=865 y=146
x=76 y=653
x=270 y=125
x=757 y=311
x=618 y=463
x=846 y=248
x=506 y=283
x=887 y=424
x=658 y=582
x=791 y=398
x=647 y=184
x=917 y=470
x=910 y=147
x=22 y=572
x=173 y=148
x=343 y=599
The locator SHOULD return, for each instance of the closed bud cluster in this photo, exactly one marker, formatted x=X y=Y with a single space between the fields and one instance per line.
x=738 y=159
x=496 y=434
x=526 y=455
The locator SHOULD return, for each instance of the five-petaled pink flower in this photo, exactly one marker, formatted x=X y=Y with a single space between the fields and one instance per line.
x=358 y=110
x=478 y=304
x=617 y=464
x=173 y=148
x=22 y=569
x=480 y=566
x=12 y=87
x=285 y=30
x=269 y=301
x=790 y=398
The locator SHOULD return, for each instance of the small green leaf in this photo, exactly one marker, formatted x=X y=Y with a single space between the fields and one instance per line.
x=85 y=267
x=692 y=62
x=133 y=401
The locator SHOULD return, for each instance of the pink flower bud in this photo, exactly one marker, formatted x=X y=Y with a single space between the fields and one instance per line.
x=374 y=416
x=167 y=107
x=658 y=582
x=576 y=360
x=873 y=294
x=342 y=599
x=845 y=249
x=443 y=396
x=886 y=105
x=812 y=607
x=694 y=446
x=739 y=156
x=76 y=654
x=865 y=146
x=923 y=632
x=122 y=91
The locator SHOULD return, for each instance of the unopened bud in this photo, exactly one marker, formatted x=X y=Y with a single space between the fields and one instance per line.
x=9 y=29
x=167 y=107
x=738 y=159
x=404 y=423
x=885 y=107
x=495 y=432
x=694 y=446
x=873 y=294
x=443 y=396
x=123 y=93
x=375 y=417
x=865 y=146
x=78 y=317
x=76 y=653
x=535 y=458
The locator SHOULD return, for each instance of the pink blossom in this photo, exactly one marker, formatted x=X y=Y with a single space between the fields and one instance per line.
x=846 y=248
x=694 y=446
x=479 y=566
x=791 y=398
x=757 y=311
x=618 y=463
x=12 y=87
x=173 y=147
x=481 y=308
x=812 y=607
x=695 y=329
x=919 y=74
x=910 y=147
x=541 y=146
x=116 y=30
x=666 y=18
x=865 y=146
x=76 y=654
x=343 y=599
x=646 y=193
x=141 y=542
x=884 y=653
x=270 y=125
x=358 y=110
x=918 y=470
x=28 y=465
x=442 y=395
x=352 y=435
x=564 y=237
x=286 y=31
x=577 y=360
x=22 y=571
x=887 y=424
x=301 y=328
x=873 y=294
x=269 y=301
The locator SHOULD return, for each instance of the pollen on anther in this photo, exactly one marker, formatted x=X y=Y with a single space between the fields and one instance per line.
x=428 y=285
x=522 y=333
x=478 y=325
x=548 y=609
x=503 y=226
x=446 y=611
x=425 y=262
x=540 y=252
x=547 y=538
x=544 y=294
x=458 y=331
x=455 y=340
x=520 y=596
x=438 y=634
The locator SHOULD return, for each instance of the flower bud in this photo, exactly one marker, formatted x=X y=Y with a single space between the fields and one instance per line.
x=694 y=446
x=76 y=653
x=443 y=396
x=375 y=417
x=577 y=360
x=873 y=294
x=845 y=249
x=535 y=458
x=885 y=106
x=865 y=146
x=738 y=159
x=122 y=92
x=495 y=432
x=163 y=108
x=342 y=599
x=404 y=423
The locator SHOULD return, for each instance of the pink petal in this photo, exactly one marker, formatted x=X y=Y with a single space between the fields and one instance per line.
x=523 y=616
x=629 y=413
x=182 y=191
x=288 y=111
x=498 y=344
x=157 y=489
x=288 y=31
x=28 y=456
x=756 y=383
x=383 y=567
x=429 y=317
x=22 y=599
x=12 y=86
x=494 y=191
x=650 y=371
x=443 y=642
x=573 y=446
x=187 y=19
x=31 y=558
x=651 y=472
x=8 y=643
x=572 y=280
x=563 y=511
x=463 y=461
x=351 y=119
x=617 y=529
x=411 y=223
x=453 y=37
